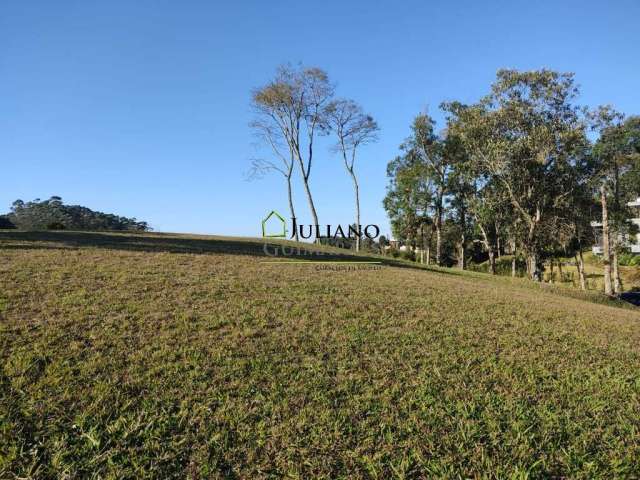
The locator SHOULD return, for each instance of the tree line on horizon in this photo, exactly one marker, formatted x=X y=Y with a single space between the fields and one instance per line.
x=524 y=170
x=53 y=214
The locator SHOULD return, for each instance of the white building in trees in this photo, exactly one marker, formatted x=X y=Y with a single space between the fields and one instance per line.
x=632 y=242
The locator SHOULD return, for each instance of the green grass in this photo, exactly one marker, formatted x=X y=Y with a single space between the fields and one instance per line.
x=167 y=356
x=594 y=274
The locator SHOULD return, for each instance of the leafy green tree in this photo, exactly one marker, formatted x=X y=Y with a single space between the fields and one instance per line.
x=409 y=199
x=461 y=186
x=430 y=150
x=54 y=214
x=523 y=135
x=482 y=195
x=617 y=152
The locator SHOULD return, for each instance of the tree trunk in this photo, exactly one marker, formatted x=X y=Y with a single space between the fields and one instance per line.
x=305 y=181
x=438 y=225
x=463 y=237
x=291 y=210
x=580 y=263
x=536 y=272
x=438 y=241
x=423 y=246
x=312 y=207
x=489 y=247
x=613 y=236
x=492 y=262
x=429 y=254
x=551 y=272
x=513 y=259
x=617 y=283
x=533 y=267
x=606 y=250
x=356 y=189
x=560 y=270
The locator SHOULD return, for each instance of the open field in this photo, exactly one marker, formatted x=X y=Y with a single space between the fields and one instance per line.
x=167 y=356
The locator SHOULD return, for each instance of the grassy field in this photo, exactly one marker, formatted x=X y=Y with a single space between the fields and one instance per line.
x=165 y=356
x=630 y=276
x=568 y=274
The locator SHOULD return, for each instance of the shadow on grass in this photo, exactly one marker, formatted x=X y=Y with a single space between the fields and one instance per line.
x=170 y=243
x=185 y=244
x=631 y=297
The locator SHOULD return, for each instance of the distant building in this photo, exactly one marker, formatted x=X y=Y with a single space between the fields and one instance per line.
x=632 y=242
x=394 y=245
x=400 y=246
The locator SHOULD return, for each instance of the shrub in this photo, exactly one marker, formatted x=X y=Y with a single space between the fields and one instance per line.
x=55 y=226
x=503 y=266
x=5 y=223
x=408 y=255
x=629 y=259
x=394 y=252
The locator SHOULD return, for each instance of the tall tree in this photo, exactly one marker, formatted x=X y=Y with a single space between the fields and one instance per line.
x=409 y=199
x=574 y=212
x=353 y=128
x=268 y=132
x=484 y=196
x=295 y=101
x=428 y=148
x=616 y=152
x=461 y=187
x=523 y=134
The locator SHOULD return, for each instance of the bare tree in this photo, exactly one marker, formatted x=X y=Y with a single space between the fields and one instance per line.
x=353 y=129
x=269 y=134
x=294 y=103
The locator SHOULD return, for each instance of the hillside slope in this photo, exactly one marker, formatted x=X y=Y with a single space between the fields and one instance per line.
x=170 y=356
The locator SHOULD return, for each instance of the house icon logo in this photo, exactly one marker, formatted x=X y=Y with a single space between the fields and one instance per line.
x=274 y=226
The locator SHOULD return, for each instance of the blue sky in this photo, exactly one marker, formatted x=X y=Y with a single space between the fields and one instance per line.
x=142 y=108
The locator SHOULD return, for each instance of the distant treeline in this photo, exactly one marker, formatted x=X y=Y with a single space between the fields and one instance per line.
x=52 y=214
